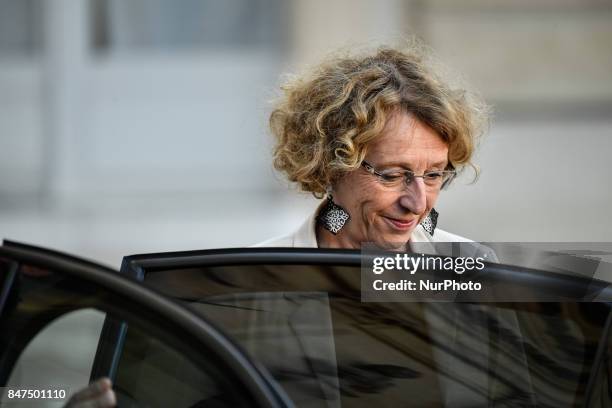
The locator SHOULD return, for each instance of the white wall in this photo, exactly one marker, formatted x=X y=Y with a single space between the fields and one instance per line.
x=105 y=154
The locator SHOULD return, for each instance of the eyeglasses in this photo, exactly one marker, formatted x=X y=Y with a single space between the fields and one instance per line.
x=398 y=179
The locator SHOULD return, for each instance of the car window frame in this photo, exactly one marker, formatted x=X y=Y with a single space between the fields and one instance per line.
x=137 y=266
x=261 y=386
x=571 y=286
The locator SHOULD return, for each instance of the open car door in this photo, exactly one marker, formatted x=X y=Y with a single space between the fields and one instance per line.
x=52 y=307
x=299 y=312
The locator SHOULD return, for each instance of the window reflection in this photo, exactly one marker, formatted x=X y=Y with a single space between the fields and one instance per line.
x=20 y=27
x=188 y=24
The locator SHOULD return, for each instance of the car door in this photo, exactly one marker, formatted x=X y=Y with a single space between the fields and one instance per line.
x=52 y=308
x=299 y=312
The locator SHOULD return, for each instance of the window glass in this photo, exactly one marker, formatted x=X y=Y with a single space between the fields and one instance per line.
x=60 y=355
x=307 y=324
x=20 y=27
x=50 y=329
x=188 y=24
x=163 y=376
x=600 y=387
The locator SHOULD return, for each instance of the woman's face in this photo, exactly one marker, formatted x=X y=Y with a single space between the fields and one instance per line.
x=387 y=216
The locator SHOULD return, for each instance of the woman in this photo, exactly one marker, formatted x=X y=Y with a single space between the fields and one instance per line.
x=379 y=136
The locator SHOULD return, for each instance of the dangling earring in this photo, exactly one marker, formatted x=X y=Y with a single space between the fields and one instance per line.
x=430 y=221
x=332 y=217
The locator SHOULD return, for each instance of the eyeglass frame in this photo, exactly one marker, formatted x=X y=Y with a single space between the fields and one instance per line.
x=409 y=176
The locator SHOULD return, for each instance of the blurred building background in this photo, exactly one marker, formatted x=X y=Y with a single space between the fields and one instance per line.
x=140 y=126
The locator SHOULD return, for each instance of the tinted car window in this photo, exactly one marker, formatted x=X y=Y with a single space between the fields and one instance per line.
x=307 y=324
x=164 y=363
x=61 y=355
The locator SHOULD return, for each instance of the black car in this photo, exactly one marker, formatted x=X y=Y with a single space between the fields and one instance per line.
x=285 y=327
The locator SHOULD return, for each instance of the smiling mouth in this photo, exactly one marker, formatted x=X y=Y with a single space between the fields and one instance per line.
x=401 y=225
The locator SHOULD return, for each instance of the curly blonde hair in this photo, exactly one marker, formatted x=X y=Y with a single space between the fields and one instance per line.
x=324 y=122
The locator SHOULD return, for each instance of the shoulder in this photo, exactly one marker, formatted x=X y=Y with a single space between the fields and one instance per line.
x=445 y=236
x=420 y=235
x=468 y=247
x=304 y=237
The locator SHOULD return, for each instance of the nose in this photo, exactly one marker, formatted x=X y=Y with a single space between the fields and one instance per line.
x=414 y=197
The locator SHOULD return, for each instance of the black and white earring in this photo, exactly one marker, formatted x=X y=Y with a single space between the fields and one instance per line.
x=332 y=217
x=430 y=221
